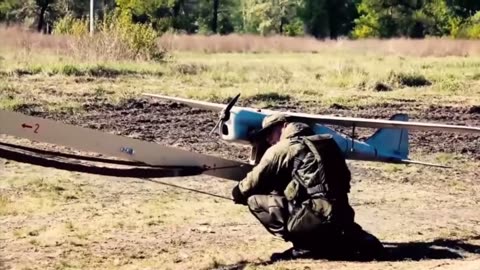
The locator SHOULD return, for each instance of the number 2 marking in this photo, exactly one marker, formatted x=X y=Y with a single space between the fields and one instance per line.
x=37 y=126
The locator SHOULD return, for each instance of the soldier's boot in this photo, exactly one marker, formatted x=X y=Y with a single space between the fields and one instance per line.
x=293 y=254
x=304 y=248
x=363 y=245
x=370 y=248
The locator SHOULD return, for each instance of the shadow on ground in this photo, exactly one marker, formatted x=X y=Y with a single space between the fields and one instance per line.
x=409 y=251
x=438 y=249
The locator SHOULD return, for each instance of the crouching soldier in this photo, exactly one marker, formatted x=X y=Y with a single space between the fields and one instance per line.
x=299 y=192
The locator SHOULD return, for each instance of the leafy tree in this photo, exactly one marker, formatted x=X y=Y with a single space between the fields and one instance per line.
x=413 y=18
x=319 y=18
x=470 y=28
x=43 y=6
x=464 y=8
x=7 y=10
x=390 y=18
x=269 y=16
x=227 y=17
x=81 y=9
x=439 y=18
x=328 y=18
x=315 y=17
x=149 y=11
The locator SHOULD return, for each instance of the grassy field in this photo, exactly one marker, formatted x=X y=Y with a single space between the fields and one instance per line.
x=51 y=219
x=343 y=74
x=341 y=78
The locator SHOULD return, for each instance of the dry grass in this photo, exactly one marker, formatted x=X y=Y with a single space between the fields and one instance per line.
x=103 y=47
x=276 y=44
x=22 y=39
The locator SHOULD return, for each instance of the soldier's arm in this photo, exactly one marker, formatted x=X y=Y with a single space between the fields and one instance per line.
x=262 y=177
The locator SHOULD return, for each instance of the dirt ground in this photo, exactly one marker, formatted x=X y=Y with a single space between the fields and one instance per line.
x=428 y=218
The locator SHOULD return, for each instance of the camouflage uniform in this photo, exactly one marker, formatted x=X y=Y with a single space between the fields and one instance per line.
x=312 y=214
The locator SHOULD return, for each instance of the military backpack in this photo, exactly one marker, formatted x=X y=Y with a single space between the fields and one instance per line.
x=320 y=170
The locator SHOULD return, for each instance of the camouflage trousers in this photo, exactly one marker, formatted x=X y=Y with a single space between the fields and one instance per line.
x=299 y=226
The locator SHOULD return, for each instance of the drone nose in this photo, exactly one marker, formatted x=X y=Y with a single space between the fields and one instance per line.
x=225 y=114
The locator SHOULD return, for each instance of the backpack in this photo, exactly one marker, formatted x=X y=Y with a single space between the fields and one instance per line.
x=320 y=170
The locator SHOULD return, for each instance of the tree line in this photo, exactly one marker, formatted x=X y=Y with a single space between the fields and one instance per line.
x=319 y=18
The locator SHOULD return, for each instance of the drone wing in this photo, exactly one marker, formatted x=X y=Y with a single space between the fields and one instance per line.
x=333 y=120
x=216 y=107
x=378 y=123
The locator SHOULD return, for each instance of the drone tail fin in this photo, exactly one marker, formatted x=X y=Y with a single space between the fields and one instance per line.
x=392 y=140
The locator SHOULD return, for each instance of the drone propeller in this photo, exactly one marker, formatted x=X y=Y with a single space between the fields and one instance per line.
x=225 y=113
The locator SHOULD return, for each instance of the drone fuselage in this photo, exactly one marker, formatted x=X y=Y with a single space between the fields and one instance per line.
x=386 y=144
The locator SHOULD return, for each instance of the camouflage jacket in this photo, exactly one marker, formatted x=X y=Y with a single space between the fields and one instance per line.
x=274 y=171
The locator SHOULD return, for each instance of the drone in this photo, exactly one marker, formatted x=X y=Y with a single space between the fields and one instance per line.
x=134 y=157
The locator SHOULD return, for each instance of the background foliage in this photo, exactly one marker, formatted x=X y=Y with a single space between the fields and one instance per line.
x=317 y=18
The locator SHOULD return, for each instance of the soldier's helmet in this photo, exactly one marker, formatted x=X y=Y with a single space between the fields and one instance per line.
x=291 y=130
x=271 y=121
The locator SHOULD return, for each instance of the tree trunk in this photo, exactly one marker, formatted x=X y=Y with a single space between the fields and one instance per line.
x=333 y=18
x=282 y=24
x=176 y=8
x=333 y=27
x=41 y=17
x=215 y=16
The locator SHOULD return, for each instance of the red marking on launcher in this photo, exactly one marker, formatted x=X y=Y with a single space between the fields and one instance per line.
x=37 y=126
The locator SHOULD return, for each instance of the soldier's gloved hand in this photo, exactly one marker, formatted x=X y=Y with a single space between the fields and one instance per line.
x=238 y=197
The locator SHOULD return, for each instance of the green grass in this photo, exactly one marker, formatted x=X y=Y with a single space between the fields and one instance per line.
x=344 y=78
